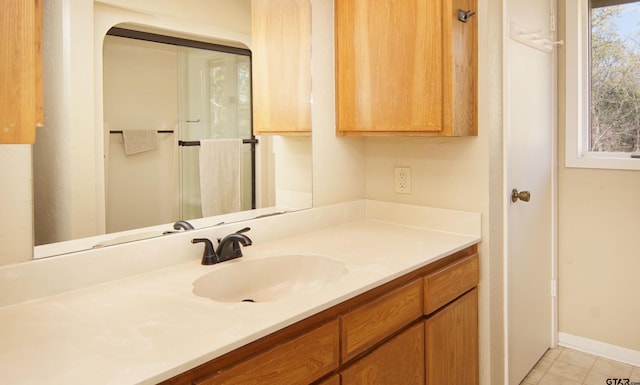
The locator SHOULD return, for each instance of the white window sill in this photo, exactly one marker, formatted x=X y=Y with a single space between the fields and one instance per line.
x=611 y=161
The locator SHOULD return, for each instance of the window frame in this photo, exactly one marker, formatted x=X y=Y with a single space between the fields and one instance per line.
x=577 y=96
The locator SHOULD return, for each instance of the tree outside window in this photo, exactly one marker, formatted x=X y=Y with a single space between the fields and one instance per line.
x=615 y=76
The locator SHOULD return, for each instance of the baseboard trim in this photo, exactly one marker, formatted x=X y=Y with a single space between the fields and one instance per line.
x=598 y=348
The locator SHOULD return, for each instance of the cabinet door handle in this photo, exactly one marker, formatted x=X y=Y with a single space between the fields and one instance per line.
x=464 y=16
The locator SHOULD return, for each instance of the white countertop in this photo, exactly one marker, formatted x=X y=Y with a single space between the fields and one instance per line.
x=149 y=327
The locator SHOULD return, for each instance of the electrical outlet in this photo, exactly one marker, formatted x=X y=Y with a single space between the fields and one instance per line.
x=402 y=180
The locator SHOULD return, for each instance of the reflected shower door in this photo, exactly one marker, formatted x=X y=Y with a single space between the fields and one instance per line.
x=215 y=103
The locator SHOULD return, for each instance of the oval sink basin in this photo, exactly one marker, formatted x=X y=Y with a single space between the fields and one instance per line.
x=269 y=278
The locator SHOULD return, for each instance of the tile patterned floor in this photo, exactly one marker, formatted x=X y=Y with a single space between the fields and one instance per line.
x=562 y=366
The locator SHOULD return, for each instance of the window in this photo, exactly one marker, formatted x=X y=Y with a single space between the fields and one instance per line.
x=603 y=84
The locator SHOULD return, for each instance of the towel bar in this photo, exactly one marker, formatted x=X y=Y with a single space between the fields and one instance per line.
x=187 y=143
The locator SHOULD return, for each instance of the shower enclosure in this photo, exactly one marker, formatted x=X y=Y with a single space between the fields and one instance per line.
x=184 y=92
x=214 y=103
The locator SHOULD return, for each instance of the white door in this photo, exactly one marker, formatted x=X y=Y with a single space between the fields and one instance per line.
x=529 y=167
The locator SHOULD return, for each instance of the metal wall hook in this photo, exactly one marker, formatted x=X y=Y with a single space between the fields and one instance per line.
x=464 y=16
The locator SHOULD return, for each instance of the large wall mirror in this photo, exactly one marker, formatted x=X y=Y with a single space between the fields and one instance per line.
x=173 y=136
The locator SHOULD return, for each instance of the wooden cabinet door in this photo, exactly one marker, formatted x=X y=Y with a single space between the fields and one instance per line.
x=398 y=361
x=406 y=67
x=389 y=66
x=20 y=70
x=451 y=337
x=333 y=380
x=281 y=64
x=463 y=81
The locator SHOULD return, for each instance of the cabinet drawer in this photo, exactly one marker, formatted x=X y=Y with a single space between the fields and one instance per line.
x=299 y=361
x=448 y=283
x=376 y=320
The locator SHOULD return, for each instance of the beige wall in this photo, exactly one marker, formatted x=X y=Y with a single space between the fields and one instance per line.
x=141 y=188
x=598 y=256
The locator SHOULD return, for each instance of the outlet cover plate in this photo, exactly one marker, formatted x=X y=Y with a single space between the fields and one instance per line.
x=402 y=180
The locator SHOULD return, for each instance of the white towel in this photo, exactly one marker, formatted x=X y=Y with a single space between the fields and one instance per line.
x=220 y=176
x=136 y=141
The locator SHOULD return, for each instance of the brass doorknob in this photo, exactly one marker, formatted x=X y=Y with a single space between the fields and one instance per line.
x=524 y=196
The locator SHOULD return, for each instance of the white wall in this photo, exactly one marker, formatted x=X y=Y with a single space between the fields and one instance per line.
x=225 y=19
x=598 y=255
x=16 y=205
x=338 y=163
x=292 y=166
x=65 y=166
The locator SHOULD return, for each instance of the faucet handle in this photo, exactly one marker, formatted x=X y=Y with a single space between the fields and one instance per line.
x=209 y=256
x=243 y=230
x=230 y=246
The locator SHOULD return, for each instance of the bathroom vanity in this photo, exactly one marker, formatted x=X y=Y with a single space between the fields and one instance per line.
x=424 y=323
x=367 y=290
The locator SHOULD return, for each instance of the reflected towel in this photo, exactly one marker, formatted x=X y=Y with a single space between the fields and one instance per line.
x=136 y=141
x=220 y=176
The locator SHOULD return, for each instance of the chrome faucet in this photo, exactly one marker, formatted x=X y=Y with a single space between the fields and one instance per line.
x=179 y=226
x=228 y=247
x=184 y=225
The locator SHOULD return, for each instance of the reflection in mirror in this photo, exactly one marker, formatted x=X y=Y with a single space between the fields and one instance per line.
x=168 y=107
x=201 y=96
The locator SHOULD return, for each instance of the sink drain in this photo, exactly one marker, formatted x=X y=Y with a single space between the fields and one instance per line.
x=249 y=300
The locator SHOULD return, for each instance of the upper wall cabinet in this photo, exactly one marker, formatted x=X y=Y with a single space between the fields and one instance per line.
x=281 y=45
x=406 y=67
x=20 y=70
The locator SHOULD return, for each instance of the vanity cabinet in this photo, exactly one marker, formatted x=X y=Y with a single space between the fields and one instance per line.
x=405 y=67
x=281 y=65
x=333 y=380
x=20 y=70
x=398 y=361
x=300 y=360
x=419 y=329
x=452 y=343
x=451 y=324
x=441 y=348
x=369 y=324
